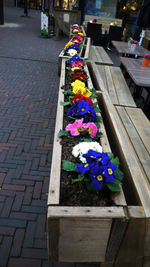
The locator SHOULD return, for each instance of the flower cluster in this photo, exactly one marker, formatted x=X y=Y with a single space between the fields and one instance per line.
x=79 y=88
x=75 y=28
x=132 y=41
x=73 y=47
x=82 y=109
x=96 y=167
x=79 y=74
x=79 y=127
x=99 y=168
x=147 y=56
x=79 y=97
x=76 y=61
x=82 y=148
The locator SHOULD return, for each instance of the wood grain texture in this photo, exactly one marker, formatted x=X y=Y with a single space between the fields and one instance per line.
x=87 y=49
x=53 y=238
x=54 y=187
x=139 y=74
x=87 y=239
x=132 y=248
x=99 y=55
x=115 y=85
x=86 y=212
x=130 y=159
x=138 y=129
x=115 y=240
x=123 y=48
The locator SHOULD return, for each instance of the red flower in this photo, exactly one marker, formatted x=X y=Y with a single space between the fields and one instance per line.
x=81 y=97
x=77 y=97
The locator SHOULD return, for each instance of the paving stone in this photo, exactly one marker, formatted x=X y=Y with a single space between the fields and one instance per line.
x=17 y=262
x=17 y=242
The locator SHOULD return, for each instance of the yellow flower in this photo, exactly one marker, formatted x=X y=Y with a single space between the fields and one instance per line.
x=115 y=22
x=80 y=33
x=75 y=68
x=69 y=44
x=87 y=93
x=76 y=30
x=78 y=83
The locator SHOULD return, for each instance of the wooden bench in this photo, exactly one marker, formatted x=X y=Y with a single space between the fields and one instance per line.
x=111 y=79
x=98 y=55
x=130 y=138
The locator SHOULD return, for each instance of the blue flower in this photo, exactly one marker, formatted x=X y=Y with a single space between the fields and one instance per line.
x=109 y=173
x=96 y=175
x=83 y=107
x=103 y=159
x=75 y=46
x=73 y=110
x=92 y=156
x=83 y=168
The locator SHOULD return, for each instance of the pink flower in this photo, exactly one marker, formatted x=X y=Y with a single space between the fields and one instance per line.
x=147 y=56
x=79 y=64
x=74 y=127
x=91 y=127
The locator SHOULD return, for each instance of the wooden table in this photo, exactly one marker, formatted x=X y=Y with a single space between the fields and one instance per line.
x=139 y=74
x=124 y=49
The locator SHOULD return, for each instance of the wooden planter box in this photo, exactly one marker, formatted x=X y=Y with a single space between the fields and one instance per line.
x=81 y=29
x=81 y=234
x=129 y=133
x=84 y=53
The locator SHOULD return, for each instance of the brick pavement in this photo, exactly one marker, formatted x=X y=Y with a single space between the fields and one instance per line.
x=28 y=100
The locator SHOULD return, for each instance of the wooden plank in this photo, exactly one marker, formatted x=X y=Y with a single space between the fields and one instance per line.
x=147 y=242
x=87 y=49
x=126 y=150
x=142 y=124
x=138 y=128
x=98 y=76
x=122 y=90
x=104 y=56
x=110 y=85
x=115 y=240
x=92 y=55
x=53 y=238
x=98 y=55
x=85 y=212
x=83 y=30
x=132 y=248
x=54 y=192
x=87 y=239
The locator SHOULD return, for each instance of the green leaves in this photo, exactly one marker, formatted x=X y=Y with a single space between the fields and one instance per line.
x=113 y=187
x=79 y=179
x=68 y=92
x=69 y=166
x=93 y=91
x=63 y=133
x=120 y=174
x=64 y=103
x=115 y=161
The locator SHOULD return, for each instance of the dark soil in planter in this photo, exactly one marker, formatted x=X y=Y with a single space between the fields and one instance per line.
x=77 y=194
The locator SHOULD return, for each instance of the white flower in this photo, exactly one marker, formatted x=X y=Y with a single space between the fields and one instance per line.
x=72 y=52
x=84 y=147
